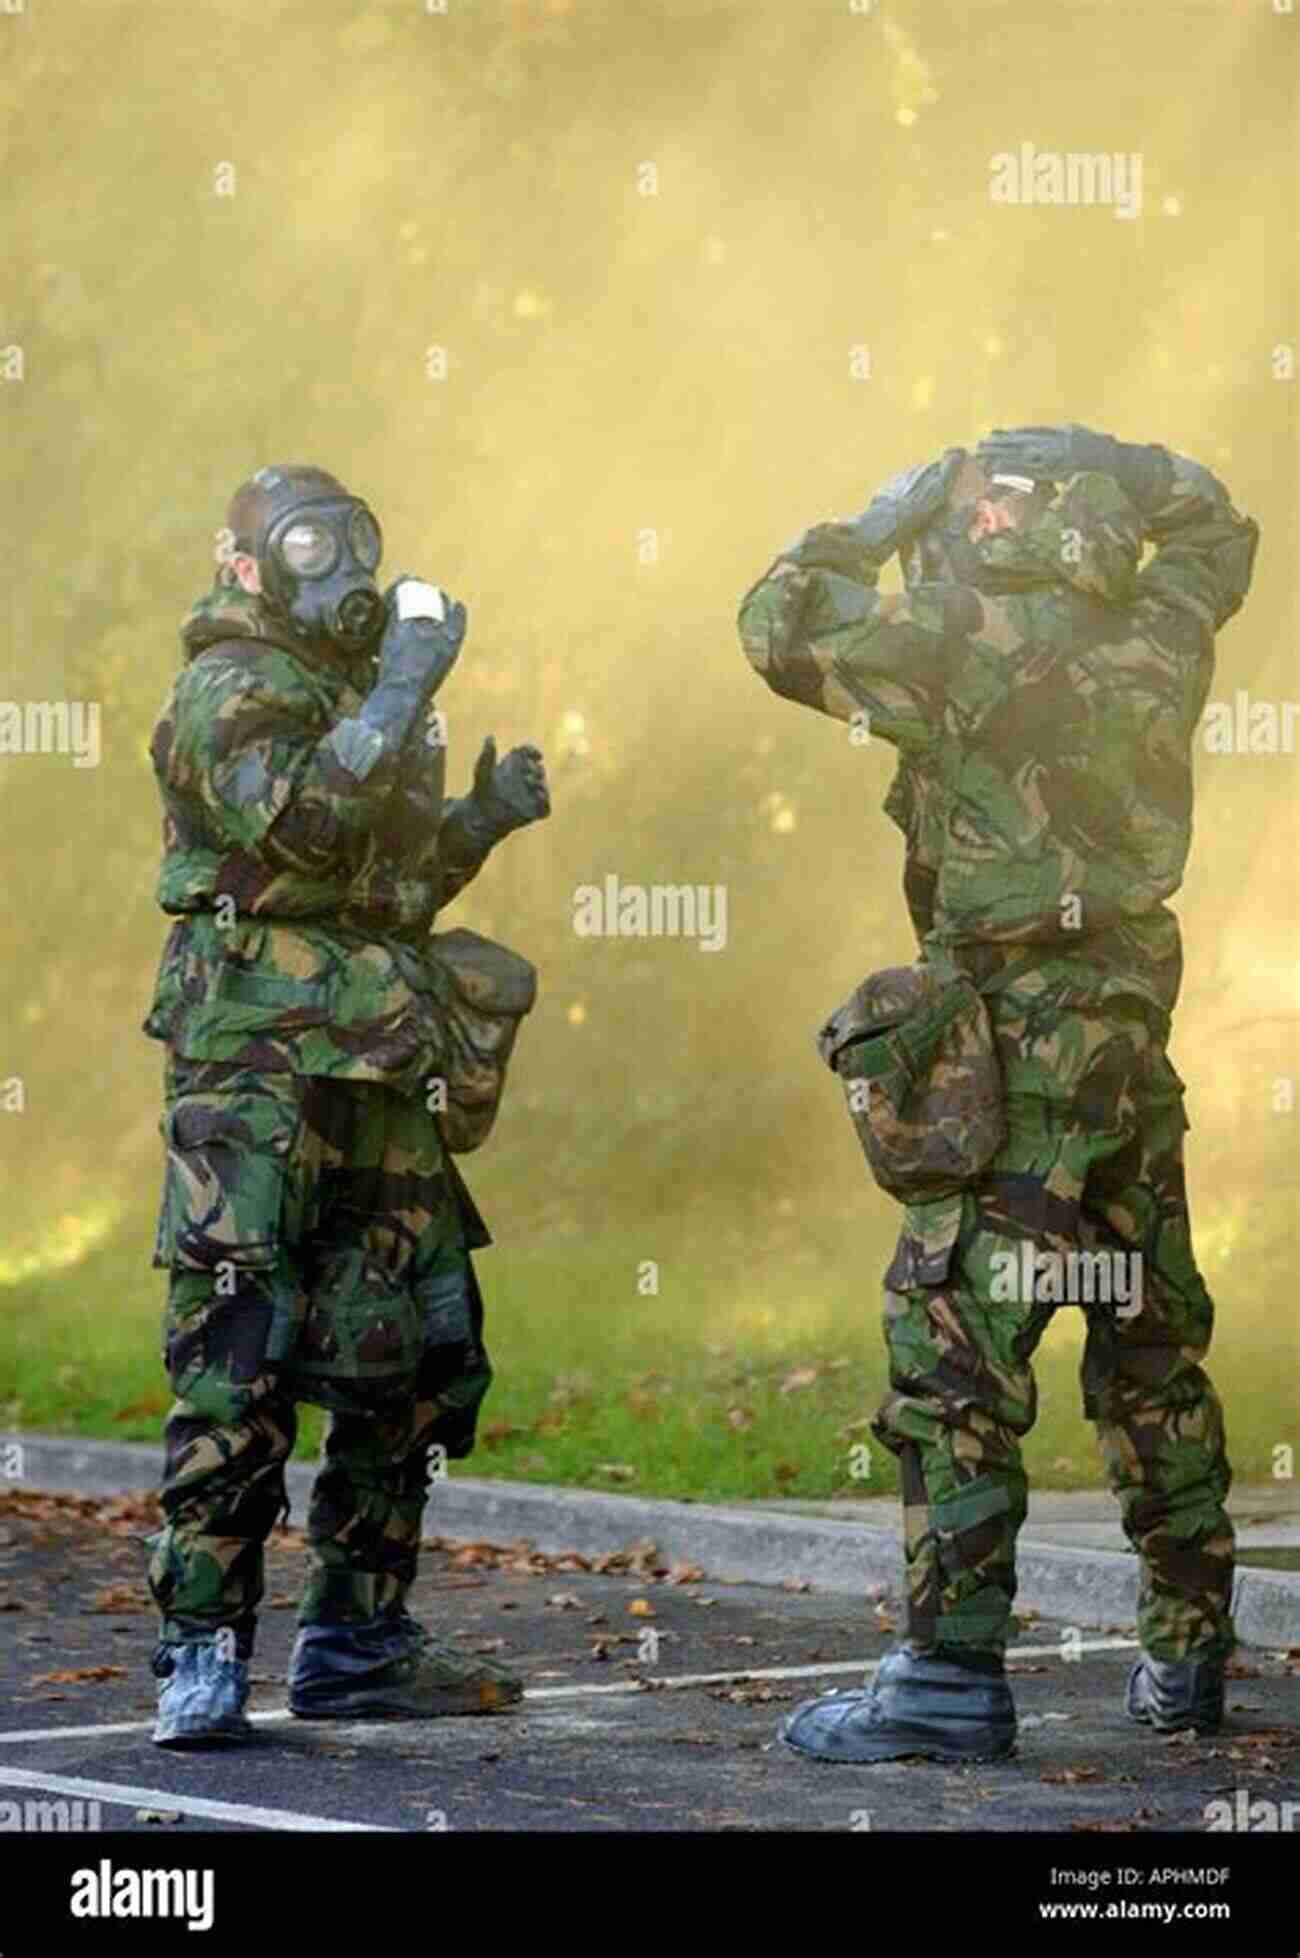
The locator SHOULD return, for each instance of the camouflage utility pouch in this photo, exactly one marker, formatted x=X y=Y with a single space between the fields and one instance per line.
x=490 y=990
x=914 y=1049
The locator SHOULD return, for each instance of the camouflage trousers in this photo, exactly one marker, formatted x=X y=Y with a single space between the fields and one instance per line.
x=1084 y=1205
x=318 y=1239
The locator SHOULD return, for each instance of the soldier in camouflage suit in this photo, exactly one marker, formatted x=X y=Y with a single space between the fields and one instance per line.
x=316 y=1230
x=1042 y=693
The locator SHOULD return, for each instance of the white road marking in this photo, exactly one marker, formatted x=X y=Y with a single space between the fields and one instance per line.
x=865 y=1666
x=664 y=1683
x=167 y=1798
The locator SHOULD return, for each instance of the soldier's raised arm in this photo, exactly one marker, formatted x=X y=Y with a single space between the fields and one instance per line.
x=504 y=796
x=1205 y=548
x=244 y=736
x=816 y=629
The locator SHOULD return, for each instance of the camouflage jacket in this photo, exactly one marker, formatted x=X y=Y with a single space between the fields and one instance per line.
x=1043 y=715
x=303 y=897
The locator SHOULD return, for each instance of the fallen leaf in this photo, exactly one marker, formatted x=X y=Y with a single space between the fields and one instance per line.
x=1071 y=1775
x=616 y=1471
x=72 y=1675
x=498 y=1430
x=142 y=1409
x=641 y=1608
x=118 y=1597
x=639 y=1559
x=564 y=1601
x=750 y=1693
x=801 y=1377
x=740 y=1418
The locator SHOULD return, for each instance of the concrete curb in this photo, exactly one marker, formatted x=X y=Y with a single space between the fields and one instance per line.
x=1087 y=1588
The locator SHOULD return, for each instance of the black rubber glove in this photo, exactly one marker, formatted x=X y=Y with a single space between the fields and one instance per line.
x=1144 y=471
x=907 y=503
x=899 y=509
x=415 y=656
x=504 y=795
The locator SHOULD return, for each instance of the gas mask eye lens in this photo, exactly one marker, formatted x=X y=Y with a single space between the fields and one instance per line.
x=308 y=549
x=363 y=535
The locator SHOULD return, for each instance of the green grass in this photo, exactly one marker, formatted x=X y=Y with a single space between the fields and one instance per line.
x=751 y=1375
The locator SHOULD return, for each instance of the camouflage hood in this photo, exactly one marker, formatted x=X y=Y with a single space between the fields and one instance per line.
x=230 y=612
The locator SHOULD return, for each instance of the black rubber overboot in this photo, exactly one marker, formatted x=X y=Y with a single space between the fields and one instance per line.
x=390 y=1668
x=940 y=1703
x=1173 y=1694
x=202 y=1692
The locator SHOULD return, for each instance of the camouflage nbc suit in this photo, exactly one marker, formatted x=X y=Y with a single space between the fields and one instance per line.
x=1042 y=702
x=315 y=1228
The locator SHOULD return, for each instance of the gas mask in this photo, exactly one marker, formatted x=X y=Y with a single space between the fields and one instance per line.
x=317 y=567
x=1085 y=534
x=317 y=548
x=944 y=553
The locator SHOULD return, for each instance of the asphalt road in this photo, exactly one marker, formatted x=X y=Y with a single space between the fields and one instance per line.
x=619 y=1731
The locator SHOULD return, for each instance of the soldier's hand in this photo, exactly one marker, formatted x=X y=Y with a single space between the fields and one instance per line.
x=908 y=502
x=1047 y=453
x=902 y=506
x=511 y=792
x=1143 y=470
x=422 y=636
